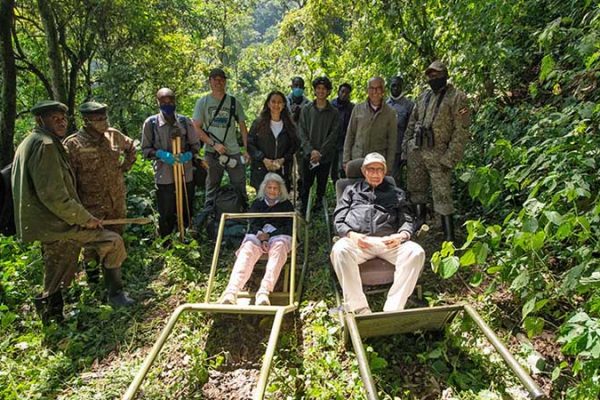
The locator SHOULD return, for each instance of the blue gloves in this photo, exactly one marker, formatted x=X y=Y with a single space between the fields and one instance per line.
x=185 y=157
x=165 y=156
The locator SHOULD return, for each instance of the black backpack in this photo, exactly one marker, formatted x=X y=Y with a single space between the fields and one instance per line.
x=227 y=200
x=7 y=212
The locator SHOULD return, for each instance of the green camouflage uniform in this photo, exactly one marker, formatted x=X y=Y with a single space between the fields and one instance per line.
x=99 y=163
x=48 y=209
x=433 y=165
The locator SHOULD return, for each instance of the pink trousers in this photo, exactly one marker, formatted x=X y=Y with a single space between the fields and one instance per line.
x=247 y=256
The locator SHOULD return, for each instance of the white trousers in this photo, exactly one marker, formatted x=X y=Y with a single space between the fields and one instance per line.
x=408 y=258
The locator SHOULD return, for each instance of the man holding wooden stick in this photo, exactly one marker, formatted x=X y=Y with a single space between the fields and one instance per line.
x=99 y=156
x=169 y=140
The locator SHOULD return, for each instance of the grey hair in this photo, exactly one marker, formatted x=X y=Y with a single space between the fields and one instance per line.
x=273 y=177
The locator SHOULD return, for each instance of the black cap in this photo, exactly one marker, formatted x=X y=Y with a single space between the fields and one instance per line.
x=217 y=72
x=93 y=107
x=47 y=106
x=322 y=80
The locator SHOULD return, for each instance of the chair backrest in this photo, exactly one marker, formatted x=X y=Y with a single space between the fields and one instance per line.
x=376 y=271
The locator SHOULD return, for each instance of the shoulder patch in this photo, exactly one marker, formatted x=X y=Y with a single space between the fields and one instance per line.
x=463 y=110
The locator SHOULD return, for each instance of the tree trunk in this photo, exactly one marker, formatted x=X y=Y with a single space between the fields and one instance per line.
x=8 y=105
x=55 y=58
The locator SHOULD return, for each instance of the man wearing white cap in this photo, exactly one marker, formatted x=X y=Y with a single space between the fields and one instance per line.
x=374 y=219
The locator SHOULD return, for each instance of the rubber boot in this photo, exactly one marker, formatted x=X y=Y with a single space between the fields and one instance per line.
x=114 y=284
x=92 y=271
x=50 y=308
x=421 y=217
x=448 y=227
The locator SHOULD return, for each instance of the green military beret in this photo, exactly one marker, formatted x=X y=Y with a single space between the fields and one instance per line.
x=436 y=66
x=46 y=106
x=92 y=107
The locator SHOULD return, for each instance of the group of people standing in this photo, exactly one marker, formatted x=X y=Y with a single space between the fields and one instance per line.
x=64 y=188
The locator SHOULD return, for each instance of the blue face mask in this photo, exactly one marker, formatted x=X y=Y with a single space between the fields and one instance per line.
x=297 y=92
x=167 y=109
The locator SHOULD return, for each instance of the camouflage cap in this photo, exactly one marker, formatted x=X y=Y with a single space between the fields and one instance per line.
x=46 y=106
x=437 y=66
x=92 y=107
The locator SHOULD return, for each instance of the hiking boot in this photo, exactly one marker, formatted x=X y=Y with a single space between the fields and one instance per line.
x=114 y=284
x=448 y=227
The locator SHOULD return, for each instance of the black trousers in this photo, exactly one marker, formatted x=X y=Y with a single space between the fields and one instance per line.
x=167 y=209
x=320 y=172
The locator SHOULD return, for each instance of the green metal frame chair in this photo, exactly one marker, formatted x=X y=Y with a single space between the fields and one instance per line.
x=287 y=302
x=356 y=328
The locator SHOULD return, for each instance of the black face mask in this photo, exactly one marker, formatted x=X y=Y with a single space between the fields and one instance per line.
x=437 y=83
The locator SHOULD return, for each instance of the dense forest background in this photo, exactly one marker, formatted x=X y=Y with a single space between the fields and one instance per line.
x=527 y=188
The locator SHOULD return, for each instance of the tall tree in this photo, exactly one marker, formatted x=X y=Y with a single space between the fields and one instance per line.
x=9 y=83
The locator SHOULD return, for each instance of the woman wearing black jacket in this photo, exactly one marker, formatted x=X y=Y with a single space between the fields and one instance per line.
x=272 y=141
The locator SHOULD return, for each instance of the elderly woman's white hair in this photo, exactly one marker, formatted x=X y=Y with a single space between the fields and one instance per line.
x=273 y=177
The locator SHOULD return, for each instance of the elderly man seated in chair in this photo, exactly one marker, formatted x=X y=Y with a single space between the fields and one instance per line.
x=373 y=218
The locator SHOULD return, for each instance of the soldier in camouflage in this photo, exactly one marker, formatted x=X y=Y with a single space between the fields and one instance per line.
x=435 y=139
x=99 y=155
x=48 y=209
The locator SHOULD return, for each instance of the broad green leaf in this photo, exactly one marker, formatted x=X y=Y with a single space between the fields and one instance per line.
x=528 y=307
x=481 y=251
x=537 y=240
x=520 y=281
x=476 y=279
x=547 y=67
x=495 y=269
x=533 y=325
x=468 y=258
x=449 y=266
x=553 y=217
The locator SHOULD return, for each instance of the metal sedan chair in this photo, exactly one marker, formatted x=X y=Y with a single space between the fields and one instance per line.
x=284 y=302
x=376 y=275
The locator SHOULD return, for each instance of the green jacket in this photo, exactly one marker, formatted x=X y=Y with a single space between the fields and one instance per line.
x=318 y=130
x=47 y=207
x=450 y=127
x=370 y=131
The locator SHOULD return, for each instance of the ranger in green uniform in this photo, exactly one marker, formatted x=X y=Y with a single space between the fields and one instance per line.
x=47 y=208
x=435 y=139
x=99 y=155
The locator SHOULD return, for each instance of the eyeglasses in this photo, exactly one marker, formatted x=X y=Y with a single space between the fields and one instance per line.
x=375 y=170
x=375 y=88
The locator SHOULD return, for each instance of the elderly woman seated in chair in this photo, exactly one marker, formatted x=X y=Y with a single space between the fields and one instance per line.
x=374 y=219
x=266 y=235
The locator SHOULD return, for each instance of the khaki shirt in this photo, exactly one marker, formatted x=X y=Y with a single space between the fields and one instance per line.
x=99 y=163
x=47 y=207
x=450 y=127
x=371 y=131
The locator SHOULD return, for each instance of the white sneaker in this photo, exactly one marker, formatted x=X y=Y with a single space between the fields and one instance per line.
x=262 y=299
x=228 y=298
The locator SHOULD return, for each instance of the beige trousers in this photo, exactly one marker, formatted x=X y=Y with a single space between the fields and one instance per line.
x=408 y=258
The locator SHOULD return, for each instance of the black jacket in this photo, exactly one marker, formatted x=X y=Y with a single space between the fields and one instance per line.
x=283 y=225
x=262 y=146
x=378 y=212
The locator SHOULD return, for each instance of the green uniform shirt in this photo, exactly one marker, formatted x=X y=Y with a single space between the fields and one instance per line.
x=45 y=197
x=450 y=126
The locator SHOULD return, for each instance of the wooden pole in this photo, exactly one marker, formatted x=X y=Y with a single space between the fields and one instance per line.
x=177 y=178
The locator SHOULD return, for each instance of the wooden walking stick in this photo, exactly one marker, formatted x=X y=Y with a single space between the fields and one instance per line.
x=176 y=145
x=125 y=221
